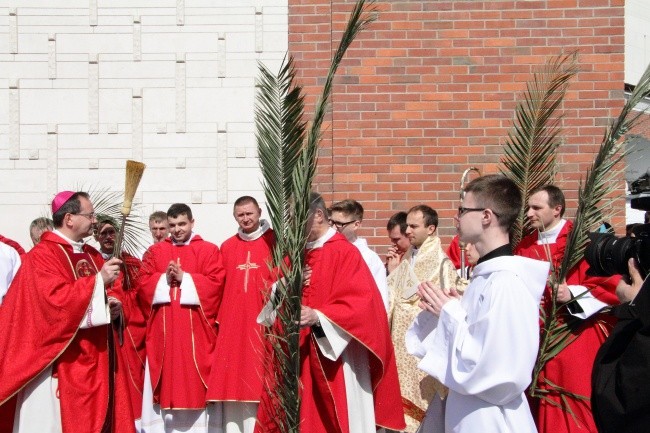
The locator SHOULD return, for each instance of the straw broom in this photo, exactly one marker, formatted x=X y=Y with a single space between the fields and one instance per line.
x=134 y=172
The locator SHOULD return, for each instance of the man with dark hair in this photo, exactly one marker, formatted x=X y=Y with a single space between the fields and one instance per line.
x=236 y=378
x=396 y=229
x=423 y=261
x=483 y=347
x=584 y=297
x=60 y=362
x=158 y=226
x=346 y=217
x=348 y=373
x=38 y=227
x=181 y=283
x=134 y=322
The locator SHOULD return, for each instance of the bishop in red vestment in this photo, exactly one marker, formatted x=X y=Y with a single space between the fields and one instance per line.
x=238 y=366
x=571 y=368
x=348 y=372
x=57 y=332
x=182 y=282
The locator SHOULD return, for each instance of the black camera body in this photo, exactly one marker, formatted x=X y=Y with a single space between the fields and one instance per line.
x=608 y=254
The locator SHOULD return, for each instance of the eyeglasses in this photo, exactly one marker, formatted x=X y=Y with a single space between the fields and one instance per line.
x=107 y=233
x=463 y=210
x=339 y=225
x=90 y=215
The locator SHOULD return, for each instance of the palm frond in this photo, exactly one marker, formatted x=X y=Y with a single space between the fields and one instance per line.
x=535 y=136
x=599 y=183
x=288 y=156
x=109 y=203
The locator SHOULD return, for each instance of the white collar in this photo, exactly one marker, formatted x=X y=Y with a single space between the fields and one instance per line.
x=264 y=226
x=550 y=236
x=187 y=242
x=77 y=247
x=360 y=243
x=321 y=241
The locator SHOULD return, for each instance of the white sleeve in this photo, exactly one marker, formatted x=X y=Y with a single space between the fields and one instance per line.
x=379 y=274
x=98 y=312
x=588 y=302
x=161 y=294
x=420 y=336
x=335 y=340
x=189 y=295
x=268 y=313
x=477 y=358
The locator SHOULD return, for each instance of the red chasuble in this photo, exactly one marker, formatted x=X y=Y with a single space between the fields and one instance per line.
x=571 y=368
x=343 y=289
x=239 y=356
x=133 y=347
x=40 y=319
x=181 y=338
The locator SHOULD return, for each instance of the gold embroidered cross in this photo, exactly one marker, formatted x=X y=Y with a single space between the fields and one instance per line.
x=247 y=267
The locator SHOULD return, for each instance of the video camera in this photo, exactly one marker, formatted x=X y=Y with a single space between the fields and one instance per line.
x=608 y=254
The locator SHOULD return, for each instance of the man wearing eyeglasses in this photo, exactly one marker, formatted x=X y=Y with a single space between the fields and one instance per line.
x=423 y=261
x=584 y=296
x=58 y=354
x=346 y=217
x=483 y=347
x=134 y=322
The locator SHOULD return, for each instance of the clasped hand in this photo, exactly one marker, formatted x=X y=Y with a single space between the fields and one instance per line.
x=174 y=271
x=433 y=298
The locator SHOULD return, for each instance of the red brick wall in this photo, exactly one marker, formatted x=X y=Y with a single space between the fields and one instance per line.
x=430 y=89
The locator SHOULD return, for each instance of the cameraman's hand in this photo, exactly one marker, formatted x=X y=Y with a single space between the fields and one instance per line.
x=629 y=286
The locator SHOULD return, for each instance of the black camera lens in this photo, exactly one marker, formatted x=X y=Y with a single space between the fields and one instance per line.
x=608 y=255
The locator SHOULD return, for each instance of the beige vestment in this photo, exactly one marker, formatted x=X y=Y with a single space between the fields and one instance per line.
x=428 y=264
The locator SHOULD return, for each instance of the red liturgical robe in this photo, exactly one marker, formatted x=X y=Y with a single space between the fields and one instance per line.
x=13 y=244
x=133 y=347
x=40 y=319
x=571 y=368
x=239 y=359
x=343 y=290
x=181 y=338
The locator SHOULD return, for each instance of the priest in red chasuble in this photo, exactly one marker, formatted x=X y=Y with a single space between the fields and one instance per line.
x=347 y=372
x=236 y=377
x=584 y=297
x=59 y=368
x=182 y=282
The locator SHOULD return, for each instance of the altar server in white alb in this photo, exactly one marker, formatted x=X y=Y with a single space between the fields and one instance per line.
x=483 y=346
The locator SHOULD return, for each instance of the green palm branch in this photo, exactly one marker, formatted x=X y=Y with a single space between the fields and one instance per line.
x=109 y=204
x=600 y=181
x=535 y=136
x=592 y=197
x=288 y=153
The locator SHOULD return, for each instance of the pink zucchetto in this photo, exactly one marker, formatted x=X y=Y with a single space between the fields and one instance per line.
x=60 y=199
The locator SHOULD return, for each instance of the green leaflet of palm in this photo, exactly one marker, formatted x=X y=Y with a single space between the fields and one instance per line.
x=288 y=153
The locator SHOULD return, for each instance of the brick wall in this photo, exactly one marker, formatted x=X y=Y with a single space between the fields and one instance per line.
x=430 y=88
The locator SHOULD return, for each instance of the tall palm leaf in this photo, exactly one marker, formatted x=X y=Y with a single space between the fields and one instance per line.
x=592 y=196
x=533 y=141
x=288 y=158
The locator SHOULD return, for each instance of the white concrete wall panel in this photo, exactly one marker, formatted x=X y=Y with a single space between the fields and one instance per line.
x=87 y=84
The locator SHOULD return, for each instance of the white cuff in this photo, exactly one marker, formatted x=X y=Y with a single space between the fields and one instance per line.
x=335 y=340
x=189 y=296
x=161 y=295
x=268 y=314
x=590 y=305
x=98 y=313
